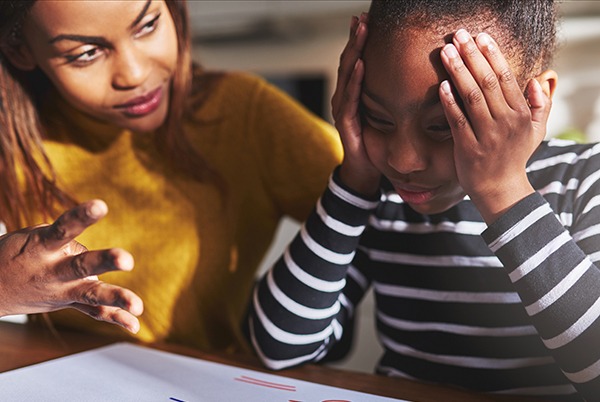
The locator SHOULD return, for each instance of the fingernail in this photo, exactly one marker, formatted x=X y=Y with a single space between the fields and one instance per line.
x=450 y=51
x=484 y=39
x=445 y=85
x=134 y=328
x=96 y=210
x=462 y=36
x=125 y=261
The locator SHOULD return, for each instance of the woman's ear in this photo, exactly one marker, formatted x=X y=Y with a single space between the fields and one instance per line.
x=19 y=56
x=548 y=80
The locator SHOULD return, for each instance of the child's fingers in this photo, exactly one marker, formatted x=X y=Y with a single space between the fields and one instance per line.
x=486 y=76
x=353 y=24
x=511 y=91
x=347 y=121
x=467 y=88
x=462 y=133
x=352 y=52
x=353 y=89
x=539 y=103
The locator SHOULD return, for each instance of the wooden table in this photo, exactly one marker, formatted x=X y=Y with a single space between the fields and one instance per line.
x=22 y=345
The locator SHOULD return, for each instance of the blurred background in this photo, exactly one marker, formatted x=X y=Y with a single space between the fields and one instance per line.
x=296 y=45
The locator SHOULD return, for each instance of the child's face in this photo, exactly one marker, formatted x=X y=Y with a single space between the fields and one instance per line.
x=404 y=127
x=111 y=59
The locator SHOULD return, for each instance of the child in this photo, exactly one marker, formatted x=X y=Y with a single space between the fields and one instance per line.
x=197 y=167
x=481 y=240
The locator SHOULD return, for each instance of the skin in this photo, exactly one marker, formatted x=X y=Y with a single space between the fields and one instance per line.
x=102 y=55
x=45 y=269
x=433 y=148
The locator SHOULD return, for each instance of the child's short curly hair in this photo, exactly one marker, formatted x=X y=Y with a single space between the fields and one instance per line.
x=525 y=29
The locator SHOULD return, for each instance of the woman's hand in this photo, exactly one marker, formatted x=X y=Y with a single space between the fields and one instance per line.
x=356 y=171
x=501 y=128
x=43 y=269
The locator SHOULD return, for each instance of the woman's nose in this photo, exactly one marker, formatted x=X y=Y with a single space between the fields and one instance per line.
x=130 y=68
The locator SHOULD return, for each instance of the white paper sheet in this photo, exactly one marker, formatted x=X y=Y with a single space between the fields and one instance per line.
x=127 y=372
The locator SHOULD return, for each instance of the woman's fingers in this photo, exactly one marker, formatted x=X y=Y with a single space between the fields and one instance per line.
x=44 y=270
x=113 y=315
x=101 y=300
x=92 y=263
x=98 y=293
x=71 y=224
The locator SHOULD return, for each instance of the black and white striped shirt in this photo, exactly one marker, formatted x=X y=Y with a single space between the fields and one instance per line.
x=512 y=308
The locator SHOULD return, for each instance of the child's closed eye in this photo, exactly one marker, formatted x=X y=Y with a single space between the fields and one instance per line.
x=439 y=131
x=375 y=120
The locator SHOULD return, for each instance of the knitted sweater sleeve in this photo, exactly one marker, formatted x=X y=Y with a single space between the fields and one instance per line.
x=302 y=306
x=556 y=278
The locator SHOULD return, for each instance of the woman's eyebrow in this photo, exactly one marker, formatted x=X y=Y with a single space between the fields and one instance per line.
x=98 y=40
x=141 y=14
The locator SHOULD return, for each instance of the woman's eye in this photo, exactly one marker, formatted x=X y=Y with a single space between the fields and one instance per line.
x=148 y=27
x=86 y=57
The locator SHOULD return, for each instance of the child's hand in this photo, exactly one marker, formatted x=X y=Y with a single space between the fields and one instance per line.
x=500 y=131
x=43 y=269
x=356 y=171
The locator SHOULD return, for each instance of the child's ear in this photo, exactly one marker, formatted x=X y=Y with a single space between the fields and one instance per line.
x=548 y=80
x=19 y=56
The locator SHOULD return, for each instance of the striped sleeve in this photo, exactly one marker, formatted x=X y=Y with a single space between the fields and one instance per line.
x=299 y=309
x=558 y=284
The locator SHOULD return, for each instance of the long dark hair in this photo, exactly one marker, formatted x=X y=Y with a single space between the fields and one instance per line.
x=28 y=182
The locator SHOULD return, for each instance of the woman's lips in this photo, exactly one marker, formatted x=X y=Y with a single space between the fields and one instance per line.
x=415 y=195
x=143 y=105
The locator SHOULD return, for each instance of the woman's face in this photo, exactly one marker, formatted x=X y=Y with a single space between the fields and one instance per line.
x=405 y=131
x=110 y=59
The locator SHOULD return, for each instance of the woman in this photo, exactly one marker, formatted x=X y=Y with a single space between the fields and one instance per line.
x=197 y=167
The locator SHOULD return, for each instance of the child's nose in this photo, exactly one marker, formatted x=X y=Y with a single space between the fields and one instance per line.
x=405 y=155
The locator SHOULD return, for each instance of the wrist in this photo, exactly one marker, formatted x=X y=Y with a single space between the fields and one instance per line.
x=361 y=181
x=493 y=204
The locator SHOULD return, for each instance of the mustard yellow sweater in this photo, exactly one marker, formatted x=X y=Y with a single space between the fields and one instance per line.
x=195 y=254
